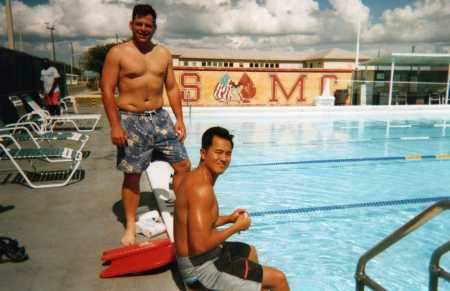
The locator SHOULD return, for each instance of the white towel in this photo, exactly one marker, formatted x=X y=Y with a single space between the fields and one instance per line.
x=150 y=224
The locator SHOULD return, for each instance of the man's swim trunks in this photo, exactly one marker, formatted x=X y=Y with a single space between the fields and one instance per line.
x=224 y=268
x=148 y=131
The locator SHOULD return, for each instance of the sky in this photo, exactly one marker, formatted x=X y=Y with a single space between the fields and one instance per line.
x=266 y=25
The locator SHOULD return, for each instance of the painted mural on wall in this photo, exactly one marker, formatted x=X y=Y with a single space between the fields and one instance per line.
x=227 y=90
x=259 y=87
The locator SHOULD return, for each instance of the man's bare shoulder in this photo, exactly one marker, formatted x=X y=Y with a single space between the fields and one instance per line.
x=191 y=184
x=121 y=48
x=163 y=51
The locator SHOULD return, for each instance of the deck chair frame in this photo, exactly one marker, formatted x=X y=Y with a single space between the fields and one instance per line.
x=75 y=164
x=50 y=121
x=12 y=129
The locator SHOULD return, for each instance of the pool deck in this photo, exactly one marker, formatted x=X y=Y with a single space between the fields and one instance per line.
x=66 y=229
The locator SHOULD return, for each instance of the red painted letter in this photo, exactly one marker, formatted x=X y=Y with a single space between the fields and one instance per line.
x=276 y=82
x=188 y=87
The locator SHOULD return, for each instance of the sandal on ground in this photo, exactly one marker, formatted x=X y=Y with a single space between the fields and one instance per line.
x=10 y=251
x=6 y=208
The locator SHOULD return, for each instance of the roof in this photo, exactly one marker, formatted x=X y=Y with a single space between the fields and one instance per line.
x=239 y=54
x=287 y=56
x=335 y=54
x=411 y=59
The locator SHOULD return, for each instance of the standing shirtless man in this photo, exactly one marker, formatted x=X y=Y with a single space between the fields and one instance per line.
x=140 y=69
x=204 y=258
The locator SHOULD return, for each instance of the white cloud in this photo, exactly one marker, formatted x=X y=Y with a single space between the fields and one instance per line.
x=424 y=21
x=243 y=24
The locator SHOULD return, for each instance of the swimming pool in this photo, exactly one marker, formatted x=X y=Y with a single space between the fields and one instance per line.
x=295 y=160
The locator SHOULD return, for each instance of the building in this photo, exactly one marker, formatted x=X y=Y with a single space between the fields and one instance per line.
x=235 y=77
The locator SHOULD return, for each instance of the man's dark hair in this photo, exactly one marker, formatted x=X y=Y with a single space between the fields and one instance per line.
x=141 y=10
x=218 y=131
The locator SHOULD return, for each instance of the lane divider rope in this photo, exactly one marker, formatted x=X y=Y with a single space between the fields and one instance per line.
x=306 y=210
x=409 y=157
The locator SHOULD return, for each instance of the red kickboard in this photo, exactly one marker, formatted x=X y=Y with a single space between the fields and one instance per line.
x=139 y=258
x=117 y=253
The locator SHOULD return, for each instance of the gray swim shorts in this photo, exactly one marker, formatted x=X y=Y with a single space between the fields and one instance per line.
x=148 y=131
x=224 y=268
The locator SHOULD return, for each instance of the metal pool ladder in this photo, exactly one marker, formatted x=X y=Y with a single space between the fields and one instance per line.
x=362 y=279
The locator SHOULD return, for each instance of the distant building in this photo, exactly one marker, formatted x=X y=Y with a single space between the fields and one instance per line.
x=245 y=78
x=328 y=59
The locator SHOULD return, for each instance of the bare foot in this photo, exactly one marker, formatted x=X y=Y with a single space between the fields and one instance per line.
x=128 y=237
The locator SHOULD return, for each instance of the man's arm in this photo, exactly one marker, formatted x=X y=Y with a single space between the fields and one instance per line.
x=222 y=220
x=202 y=231
x=110 y=77
x=173 y=94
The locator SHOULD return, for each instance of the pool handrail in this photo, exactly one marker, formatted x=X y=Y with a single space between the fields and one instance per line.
x=362 y=279
x=436 y=270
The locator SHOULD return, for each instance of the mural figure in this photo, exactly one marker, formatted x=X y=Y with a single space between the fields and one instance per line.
x=226 y=90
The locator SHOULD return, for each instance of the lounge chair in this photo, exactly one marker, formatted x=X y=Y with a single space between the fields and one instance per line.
x=38 y=153
x=69 y=105
x=48 y=122
x=30 y=131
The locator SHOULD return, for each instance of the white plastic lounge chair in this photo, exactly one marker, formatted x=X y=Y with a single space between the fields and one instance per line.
x=29 y=131
x=69 y=105
x=159 y=175
x=49 y=121
x=38 y=153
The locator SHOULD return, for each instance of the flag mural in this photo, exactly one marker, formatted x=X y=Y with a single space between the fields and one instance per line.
x=222 y=92
x=226 y=90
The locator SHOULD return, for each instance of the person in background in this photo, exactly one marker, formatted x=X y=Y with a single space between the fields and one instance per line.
x=52 y=94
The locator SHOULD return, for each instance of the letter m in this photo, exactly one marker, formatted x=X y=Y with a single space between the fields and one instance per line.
x=276 y=83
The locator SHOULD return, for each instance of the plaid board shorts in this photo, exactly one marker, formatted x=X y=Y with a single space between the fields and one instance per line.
x=148 y=131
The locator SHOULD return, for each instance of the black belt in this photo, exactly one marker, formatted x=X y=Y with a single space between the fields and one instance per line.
x=208 y=256
x=143 y=113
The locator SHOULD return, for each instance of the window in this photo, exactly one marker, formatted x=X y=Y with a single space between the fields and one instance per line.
x=231 y=64
x=266 y=65
x=272 y=65
x=241 y=65
x=186 y=63
x=251 y=65
x=226 y=64
x=209 y=64
x=256 y=65
x=277 y=65
x=203 y=64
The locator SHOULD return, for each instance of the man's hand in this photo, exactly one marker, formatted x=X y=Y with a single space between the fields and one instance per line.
x=243 y=221
x=118 y=136
x=180 y=129
x=233 y=216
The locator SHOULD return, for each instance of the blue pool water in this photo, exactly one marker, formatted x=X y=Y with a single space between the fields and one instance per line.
x=288 y=162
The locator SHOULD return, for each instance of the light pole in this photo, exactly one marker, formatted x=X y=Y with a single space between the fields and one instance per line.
x=52 y=28
x=9 y=25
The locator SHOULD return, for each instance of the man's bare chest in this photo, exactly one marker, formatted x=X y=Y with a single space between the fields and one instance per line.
x=142 y=67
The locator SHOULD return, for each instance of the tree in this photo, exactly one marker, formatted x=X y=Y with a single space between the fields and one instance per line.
x=94 y=58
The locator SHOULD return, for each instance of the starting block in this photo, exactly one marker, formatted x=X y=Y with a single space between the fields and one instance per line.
x=138 y=258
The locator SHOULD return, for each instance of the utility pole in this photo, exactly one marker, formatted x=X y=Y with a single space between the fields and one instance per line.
x=72 y=63
x=52 y=28
x=9 y=25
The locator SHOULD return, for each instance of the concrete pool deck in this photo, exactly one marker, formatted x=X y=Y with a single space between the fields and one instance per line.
x=66 y=229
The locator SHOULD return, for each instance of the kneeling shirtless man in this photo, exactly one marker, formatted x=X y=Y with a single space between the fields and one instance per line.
x=204 y=256
x=139 y=125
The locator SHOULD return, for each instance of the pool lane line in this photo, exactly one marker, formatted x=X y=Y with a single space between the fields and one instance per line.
x=306 y=210
x=363 y=140
x=409 y=157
